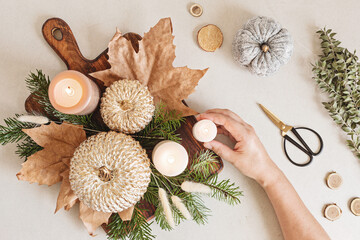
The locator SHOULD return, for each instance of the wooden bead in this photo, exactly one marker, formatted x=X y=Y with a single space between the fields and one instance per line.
x=334 y=180
x=355 y=206
x=210 y=38
x=196 y=10
x=332 y=212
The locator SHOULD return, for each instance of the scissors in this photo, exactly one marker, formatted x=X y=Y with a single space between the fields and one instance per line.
x=284 y=129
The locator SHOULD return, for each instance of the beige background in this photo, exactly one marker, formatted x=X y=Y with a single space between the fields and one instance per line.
x=27 y=210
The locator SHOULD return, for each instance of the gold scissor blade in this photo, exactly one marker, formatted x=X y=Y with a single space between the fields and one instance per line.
x=273 y=118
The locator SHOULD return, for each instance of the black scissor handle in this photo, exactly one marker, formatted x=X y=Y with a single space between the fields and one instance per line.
x=305 y=148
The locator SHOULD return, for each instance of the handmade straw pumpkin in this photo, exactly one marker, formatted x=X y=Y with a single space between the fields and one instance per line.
x=127 y=106
x=109 y=172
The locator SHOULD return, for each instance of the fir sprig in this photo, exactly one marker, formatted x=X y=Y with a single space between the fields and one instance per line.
x=163 y=126
x=337 y=73
x=204 y=163
x=27 y=148
x=136 y=229
x=12 y=130
x=196 y=207
x=224 y=190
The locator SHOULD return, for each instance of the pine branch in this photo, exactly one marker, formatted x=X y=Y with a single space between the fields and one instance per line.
x=163 y=127
x=224 y=190
x=12 y=130
x=204 y=164
x=136 y=229
x=196 y=207
x=161 y=220
x=337 y=73
x=27 y=148
x=151 y=195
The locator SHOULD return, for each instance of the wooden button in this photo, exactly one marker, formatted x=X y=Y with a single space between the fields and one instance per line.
x=332 y=212
x=355 y=206
x=196 y=10
x=210 y=38
x=334 y=180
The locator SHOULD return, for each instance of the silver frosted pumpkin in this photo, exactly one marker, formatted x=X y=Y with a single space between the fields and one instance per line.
x=262 y=45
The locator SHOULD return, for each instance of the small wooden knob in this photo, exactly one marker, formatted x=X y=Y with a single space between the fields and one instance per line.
x=196 y=10
x=332 y=212
x=355 y=206
x=265 y=47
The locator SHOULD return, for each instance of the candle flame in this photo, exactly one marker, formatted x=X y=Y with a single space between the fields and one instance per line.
x=171 y=159
x=70 y=91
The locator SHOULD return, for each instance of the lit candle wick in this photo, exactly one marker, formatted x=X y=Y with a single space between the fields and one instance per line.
x=171 y=159
x=70 y=91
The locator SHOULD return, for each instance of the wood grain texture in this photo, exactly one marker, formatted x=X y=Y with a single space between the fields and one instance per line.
x=68 y=50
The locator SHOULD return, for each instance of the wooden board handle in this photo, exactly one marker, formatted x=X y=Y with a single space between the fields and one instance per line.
x=60 y=37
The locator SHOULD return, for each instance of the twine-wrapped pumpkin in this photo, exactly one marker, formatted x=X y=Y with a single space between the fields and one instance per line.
x=262 y=45
x=109 y=172
x=127 y=106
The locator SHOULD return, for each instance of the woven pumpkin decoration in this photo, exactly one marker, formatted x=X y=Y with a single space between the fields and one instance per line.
x=109 y=172
x=262 y=45
x=127 y=106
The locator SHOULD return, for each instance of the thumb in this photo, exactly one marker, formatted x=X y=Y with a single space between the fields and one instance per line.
x=222 y=150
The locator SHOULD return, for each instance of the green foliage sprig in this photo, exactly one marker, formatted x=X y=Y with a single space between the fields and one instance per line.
x=12 y=130
x=137 y=228
x=337 y=73
x=163 y=126
x=204 y=164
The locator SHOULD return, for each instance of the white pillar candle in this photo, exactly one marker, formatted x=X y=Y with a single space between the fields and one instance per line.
x=71 y=92
x=204 y=131
x=170 y=158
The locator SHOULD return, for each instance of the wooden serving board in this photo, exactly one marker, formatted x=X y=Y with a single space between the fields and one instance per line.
x=66 y=47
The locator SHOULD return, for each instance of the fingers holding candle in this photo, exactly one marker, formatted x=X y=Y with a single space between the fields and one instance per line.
x=204 y=130
x=230 y=126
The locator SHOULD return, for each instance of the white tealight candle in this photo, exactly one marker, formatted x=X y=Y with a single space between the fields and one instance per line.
x=204 y=131
x=170 y=158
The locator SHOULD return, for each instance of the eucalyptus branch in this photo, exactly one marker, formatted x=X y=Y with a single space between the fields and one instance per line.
x=337 y=73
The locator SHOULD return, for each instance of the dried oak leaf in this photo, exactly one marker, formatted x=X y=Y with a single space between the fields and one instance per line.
x=152 y=66
x=59 y=142
x=92 y=219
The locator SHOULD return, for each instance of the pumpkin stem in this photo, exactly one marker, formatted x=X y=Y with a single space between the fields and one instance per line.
x=126 y=105
x=265 y=47
x=105 y=174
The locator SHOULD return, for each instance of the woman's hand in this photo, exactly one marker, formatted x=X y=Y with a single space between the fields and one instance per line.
x=248 y=155
x=251 y=158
